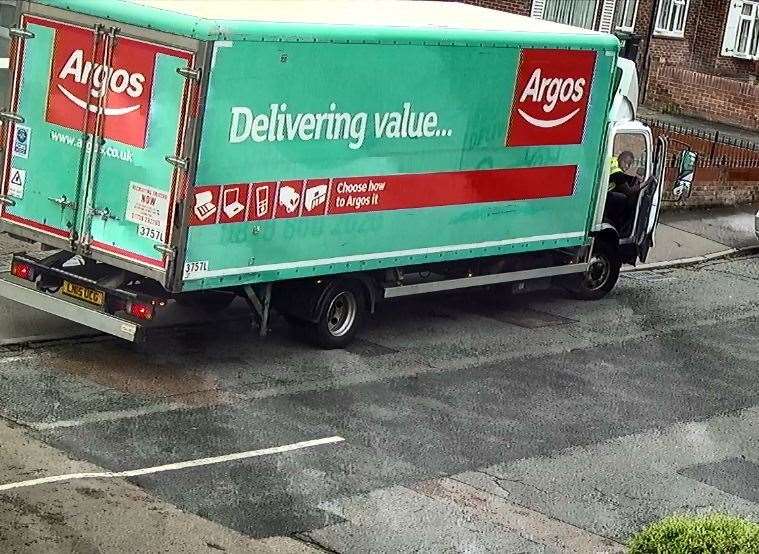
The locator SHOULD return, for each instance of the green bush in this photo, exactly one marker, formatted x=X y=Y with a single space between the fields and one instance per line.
x=705 y=534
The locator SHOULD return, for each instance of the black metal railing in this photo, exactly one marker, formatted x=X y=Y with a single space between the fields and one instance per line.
x=715 y=149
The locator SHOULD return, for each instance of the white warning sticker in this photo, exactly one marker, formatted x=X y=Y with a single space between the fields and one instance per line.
x=22 y=137
x=17 y=182
x=148 y=207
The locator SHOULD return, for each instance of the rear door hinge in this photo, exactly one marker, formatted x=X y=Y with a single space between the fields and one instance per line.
x=189 y=73
x=181 y=163
x=166 y=250
x=11 y=117
x=18 y=32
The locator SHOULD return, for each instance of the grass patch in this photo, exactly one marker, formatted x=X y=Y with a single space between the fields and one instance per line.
x=701 y=534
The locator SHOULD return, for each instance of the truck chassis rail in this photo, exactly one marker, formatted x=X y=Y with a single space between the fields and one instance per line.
x=482 y=280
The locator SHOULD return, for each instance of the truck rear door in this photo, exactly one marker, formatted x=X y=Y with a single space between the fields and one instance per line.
x=94 y=115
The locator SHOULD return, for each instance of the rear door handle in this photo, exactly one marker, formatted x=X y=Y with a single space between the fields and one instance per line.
x=63 y=202
x=104 y=214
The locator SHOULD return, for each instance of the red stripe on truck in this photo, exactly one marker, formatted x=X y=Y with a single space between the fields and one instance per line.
x=61 y=233
x=235 y=203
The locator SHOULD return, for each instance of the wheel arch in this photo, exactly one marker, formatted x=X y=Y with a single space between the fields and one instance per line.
x=305 y=299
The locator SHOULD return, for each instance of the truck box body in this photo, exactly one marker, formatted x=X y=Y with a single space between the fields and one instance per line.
x=307 y=146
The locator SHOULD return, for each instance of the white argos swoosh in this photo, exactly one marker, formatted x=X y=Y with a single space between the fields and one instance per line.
x=547 y=123
x=94 y=109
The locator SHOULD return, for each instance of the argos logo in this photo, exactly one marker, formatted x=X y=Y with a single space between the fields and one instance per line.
x=102 y=78
x=551 y=97
x=121 y=91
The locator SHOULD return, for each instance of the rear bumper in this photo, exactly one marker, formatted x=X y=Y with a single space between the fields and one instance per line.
x=29 y=296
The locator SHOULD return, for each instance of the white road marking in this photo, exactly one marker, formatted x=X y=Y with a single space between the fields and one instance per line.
x=172 y=467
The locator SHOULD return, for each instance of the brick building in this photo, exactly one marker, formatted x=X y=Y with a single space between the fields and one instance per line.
x=703 y=57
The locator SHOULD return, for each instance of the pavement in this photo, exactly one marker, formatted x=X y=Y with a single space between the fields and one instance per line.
x=456 y=423
x=683 y=234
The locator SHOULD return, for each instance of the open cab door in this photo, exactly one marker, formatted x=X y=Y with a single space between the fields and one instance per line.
x=649 y=203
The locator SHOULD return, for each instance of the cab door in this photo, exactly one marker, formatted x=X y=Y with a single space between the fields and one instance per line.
x=637 y=236
x=649 y=204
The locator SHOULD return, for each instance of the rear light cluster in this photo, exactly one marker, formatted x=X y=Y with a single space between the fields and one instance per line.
x=140 y=310
x=22 y=270
x=143 y=309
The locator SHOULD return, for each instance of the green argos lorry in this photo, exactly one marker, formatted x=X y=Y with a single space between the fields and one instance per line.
x=312 y=157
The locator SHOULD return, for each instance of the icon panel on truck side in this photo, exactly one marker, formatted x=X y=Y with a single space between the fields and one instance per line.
x=289 y=199
x=348 y=195
x=261 y=201
x=205 y=205
x=551 y=97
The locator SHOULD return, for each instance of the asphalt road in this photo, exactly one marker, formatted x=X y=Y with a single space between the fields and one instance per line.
x=460 y=423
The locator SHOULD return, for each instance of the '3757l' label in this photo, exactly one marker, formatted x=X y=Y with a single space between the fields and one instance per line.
x=193 y=269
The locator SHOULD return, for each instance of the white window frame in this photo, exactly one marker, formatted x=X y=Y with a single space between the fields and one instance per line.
x=732 y=29
x=604 y=13
x=625 y=5
x=672 y=6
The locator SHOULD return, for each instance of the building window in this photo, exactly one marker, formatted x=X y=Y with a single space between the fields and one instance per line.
x=589 y=14
x=578 y=13
x=670 y=18
x=742 y=30
x=626 y=13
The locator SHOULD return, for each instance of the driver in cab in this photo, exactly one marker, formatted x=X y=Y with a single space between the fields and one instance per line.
x=622 y=194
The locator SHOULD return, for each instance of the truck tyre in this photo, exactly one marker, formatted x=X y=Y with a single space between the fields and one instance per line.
x=601 y=275
x=342 y=313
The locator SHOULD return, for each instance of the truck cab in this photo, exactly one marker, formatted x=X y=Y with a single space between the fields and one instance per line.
x=625 y=223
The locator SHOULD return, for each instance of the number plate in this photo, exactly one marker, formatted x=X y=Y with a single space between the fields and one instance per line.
x=83 y=293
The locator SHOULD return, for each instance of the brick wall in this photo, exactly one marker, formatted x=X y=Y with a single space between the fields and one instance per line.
x=710 y=30
x=521 y=7
x=676 y=50
x=709 y=97
x=689 y=75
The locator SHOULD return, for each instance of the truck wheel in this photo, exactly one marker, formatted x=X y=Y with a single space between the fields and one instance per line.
x=601 y=275
x=343 y=313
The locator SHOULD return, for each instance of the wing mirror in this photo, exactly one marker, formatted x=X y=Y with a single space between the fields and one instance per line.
x=686 y=170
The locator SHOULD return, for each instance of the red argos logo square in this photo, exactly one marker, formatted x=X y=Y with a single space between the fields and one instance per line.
x=234 y=202
x=289 y=199
x=78 y=84
x=261 y=201
x=315 y=197
x=551 y=97
x=205 y=205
